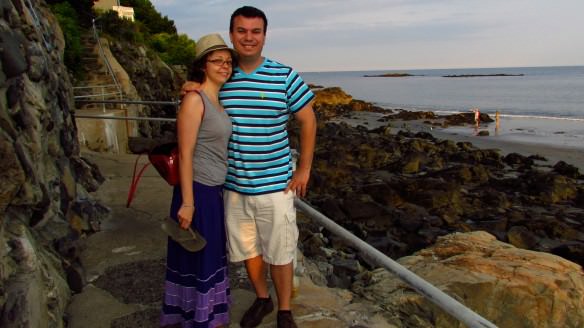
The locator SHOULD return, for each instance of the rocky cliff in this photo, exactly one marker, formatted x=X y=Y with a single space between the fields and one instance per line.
x=44 y=202
x=153 y=80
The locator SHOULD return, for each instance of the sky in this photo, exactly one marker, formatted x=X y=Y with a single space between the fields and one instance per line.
x=350 y=35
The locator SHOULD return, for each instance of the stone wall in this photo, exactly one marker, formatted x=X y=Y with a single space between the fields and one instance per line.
x=44 y=204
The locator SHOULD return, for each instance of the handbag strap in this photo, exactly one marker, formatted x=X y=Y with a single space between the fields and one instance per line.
x=136 y=178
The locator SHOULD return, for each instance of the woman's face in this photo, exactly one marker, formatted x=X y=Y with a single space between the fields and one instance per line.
x=219 y=66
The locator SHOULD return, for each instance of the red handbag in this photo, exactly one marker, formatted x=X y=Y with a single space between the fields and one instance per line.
x=164 y=158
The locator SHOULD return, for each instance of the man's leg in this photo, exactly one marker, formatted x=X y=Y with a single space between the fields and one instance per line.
x=263 y=305
x=256 y=271
x=282 y=276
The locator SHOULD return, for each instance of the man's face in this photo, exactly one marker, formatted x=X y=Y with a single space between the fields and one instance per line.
x=248 y=36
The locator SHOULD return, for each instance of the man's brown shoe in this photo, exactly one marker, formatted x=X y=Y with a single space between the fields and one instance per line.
x=260 y=308
x=285 y=320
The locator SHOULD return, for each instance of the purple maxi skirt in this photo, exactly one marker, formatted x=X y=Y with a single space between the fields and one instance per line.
x=196 y=292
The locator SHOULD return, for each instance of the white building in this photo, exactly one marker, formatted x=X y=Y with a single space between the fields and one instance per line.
x=123 y=12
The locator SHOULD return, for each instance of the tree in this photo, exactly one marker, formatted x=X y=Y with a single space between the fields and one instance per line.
x=174 y=49
x=145 y=12
x=68 y=20
x=82 y=8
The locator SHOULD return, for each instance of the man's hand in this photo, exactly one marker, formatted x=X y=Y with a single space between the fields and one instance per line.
x=299 y=182
x=189 y=86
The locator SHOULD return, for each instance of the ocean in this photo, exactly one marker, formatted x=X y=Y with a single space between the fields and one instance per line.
x=554 y=92
x=542 y=105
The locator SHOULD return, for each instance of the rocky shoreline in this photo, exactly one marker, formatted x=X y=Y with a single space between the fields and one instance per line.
x=400 y=190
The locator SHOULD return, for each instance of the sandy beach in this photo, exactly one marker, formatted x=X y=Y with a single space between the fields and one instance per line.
x=555 y=140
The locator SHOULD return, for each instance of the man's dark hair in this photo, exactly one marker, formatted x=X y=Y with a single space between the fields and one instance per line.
x=248 y=12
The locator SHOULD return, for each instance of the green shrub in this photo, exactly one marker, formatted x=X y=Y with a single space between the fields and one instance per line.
x=174 y=49
x=145 y=12
x=67 y=18
x=119 y=28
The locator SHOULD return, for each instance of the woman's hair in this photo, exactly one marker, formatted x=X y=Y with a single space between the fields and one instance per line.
x=197 y=71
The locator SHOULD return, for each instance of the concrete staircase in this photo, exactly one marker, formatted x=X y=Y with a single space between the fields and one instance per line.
x=98 y=83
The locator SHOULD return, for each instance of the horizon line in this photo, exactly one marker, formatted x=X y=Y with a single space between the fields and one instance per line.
x=447 y=68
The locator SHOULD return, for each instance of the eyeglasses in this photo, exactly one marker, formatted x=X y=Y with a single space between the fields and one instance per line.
x=220 y=62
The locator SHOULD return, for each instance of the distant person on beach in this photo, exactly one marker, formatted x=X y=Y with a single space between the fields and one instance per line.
x=196 y=292
x=497 y=121
x=477 y=117
x=261 y=186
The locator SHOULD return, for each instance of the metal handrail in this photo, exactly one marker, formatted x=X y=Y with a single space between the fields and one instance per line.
x=126 y=118
x=96 y=95
x=95 y=86
x=131 y=102
x=102 y=54
x=433 y=294
x=37 y=25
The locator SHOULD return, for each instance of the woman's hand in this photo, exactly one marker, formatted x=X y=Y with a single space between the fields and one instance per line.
x=185 y=216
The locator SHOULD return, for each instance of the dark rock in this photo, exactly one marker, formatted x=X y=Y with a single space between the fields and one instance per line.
x=13 y=56
x=566 y=169
x=41 y=207
x=4 y=6
x=425 y=135
x=312 y=246
x=358 y=209
x=76 y=277
x=411 y=223
x=343 y=272
x=410 y=115
x=550 y=188
x=91 y=212
x=483 y=133
x=387 y=245
x=383 y=194
x=68 y=138
x=521 y=237
x=332 y=209
x=413 y=162
x=572 y=251
x=87 y=173
x=14 y=92
x=517 y=159
x=538 y=157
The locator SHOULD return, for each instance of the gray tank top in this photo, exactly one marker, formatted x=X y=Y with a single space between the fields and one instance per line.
x=210 y=158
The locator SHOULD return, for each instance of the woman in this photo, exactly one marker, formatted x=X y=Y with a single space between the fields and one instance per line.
x=197 y=286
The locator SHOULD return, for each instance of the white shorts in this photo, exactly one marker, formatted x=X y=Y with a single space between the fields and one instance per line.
x=261 y=225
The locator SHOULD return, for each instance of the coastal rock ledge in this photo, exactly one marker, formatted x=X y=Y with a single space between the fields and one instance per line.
x=511 y=287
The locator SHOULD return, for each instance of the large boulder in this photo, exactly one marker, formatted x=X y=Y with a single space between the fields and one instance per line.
x=509 y=286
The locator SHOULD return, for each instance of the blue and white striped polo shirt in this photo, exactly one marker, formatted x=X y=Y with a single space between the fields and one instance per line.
x=259 y=105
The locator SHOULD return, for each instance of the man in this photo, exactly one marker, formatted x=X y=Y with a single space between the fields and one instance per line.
x=260 y=185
